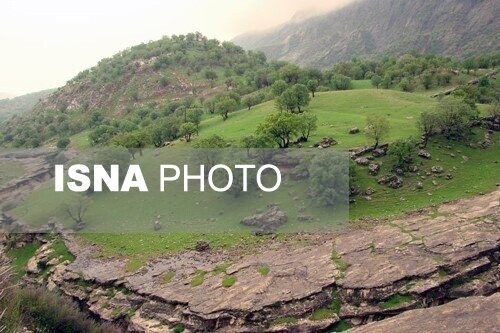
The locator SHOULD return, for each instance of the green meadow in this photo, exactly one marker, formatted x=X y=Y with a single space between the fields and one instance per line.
x=473 y=171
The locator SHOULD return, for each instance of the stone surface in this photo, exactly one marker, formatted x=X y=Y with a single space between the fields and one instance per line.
x=432 y=255
x=472 y=314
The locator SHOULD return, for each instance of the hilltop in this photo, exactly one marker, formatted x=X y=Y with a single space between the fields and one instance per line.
x=383 y=27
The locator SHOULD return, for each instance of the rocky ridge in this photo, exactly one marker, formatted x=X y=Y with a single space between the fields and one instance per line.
x=363 y=275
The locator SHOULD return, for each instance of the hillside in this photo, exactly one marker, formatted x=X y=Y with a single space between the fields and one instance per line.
x=384 y=27
x=21 y=104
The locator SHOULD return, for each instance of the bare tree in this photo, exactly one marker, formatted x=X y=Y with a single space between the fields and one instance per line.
x=76 y=211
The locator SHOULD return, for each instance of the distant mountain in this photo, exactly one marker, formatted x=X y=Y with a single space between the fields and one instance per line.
x=21 y=104
x=384 y=27
x=4 y=95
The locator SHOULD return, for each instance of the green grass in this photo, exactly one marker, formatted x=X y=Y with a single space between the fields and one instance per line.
x=10 y=170
x=134 y=264
x=466 y=182
x=263 y=270
x=362 y=84
x=167 y=277
x=198 y=278
x=61 y=251
x=20 y=257
x=228 y=281
x=333 y=308
x=395 y=301
x=339 y=262
x=80 y=140
x=341 y=326
x=221 y=269
x=178 y=328
x=284 y=321
x=323 y=313
x=337 y=112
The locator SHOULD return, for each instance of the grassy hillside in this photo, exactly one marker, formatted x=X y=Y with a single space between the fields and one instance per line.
x=337 y=112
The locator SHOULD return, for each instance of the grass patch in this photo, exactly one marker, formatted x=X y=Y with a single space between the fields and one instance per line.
x=220 y=269
x=459 y=282
x=61 y=251
x=341 y=326
x=167 y=277
x=198 y=278
x=134 y=264
x=228 y=281
x=339 y=262
x=323 y=313
x=263 y=270
x=178 y=328
x=284 y=321
x=442 y=272
x=395 y=301
x=20 y=257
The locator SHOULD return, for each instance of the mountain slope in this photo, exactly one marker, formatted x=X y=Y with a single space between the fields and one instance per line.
x=384 y=27
x=21 y=104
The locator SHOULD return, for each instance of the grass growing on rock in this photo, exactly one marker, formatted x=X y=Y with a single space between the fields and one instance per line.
x=228 y=281
x=337 y=112
x=395 y=301
x=167 y=277
x=284 y=321
x=333 y=308
x=339 y=262
x=198 y=278
x=20 y=256
x=263 y=270
x=341 y=326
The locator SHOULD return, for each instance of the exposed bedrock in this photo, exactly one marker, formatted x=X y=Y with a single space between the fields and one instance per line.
x=379 y=273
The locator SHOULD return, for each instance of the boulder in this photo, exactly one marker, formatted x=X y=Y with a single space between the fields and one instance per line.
x=354 y=130
x=425 y=154
x=392 y=181
x=362 y=161
x=354 y=190
x=379 y=152
x=419 y=186
x=326 y=142
x=374 y=168
x=437 y=169
x=268 y=221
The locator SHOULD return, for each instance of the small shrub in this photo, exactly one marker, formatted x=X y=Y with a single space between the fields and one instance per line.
x=263 y=270
x=228 y=281
x=395 y=301
x=198 y=278
x=167 y=277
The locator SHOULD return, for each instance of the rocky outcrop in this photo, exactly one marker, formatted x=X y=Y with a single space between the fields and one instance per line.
x=267 y=222
x=422 y=260
x=472 y=314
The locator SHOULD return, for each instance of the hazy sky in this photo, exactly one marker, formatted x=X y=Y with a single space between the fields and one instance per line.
x=45 y=43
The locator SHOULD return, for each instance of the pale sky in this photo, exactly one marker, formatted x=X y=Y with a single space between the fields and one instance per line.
x=44 y=43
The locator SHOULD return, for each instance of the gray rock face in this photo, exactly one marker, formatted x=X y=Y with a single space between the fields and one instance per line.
x=268 y=221
x=472 y=314
x=425 y=258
